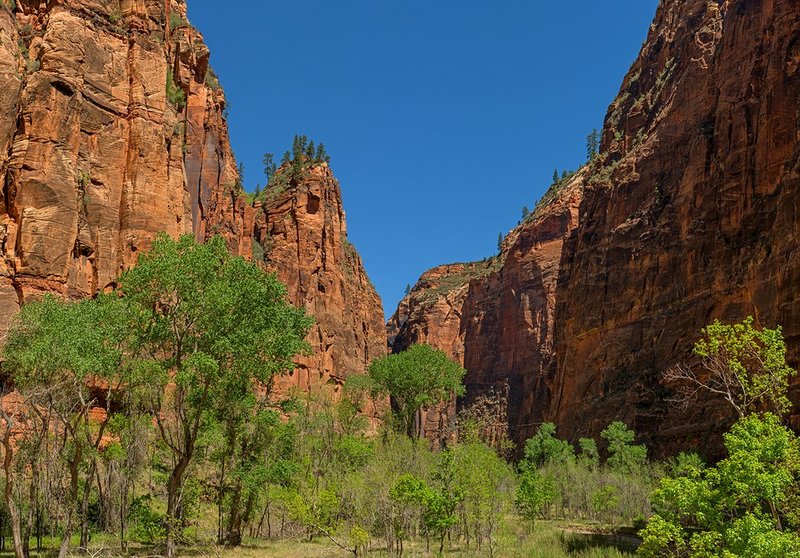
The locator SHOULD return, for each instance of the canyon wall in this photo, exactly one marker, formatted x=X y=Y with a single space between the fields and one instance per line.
x=692 y=216
x=94 y=157
x=113 y=129
x=496 y=318
x=688 y=214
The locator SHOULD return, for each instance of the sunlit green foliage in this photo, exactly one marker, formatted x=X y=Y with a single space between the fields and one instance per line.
x=741 y=507
x=419 y=377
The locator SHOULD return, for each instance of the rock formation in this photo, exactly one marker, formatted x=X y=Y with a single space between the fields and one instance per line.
x=299 y=231
x=691 y=216
x=95 y=158
x=112 y=129
x=496 y=318
x=688 y=214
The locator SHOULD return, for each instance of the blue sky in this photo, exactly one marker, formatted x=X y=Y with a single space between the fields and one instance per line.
x=442 y=118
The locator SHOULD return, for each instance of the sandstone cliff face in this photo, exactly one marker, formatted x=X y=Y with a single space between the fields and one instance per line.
x=688 y=214
x=692 y=216
x=94 y=158
x=496 y=317
x=299 y=231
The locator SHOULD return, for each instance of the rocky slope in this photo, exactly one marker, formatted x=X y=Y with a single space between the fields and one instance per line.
x=687 y=215
x=112 y=129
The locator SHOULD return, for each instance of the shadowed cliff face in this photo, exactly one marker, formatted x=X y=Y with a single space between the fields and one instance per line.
x=95 y=160
x=688 y=214
x=693 y=216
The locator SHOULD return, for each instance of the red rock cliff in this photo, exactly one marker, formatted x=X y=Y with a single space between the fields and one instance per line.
x=112 y=130
x=688 y=214
x=496 y=317
x=692 y=216
x=94 y=157
x=299 y=231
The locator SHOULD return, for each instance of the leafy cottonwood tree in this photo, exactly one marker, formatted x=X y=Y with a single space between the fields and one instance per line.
x=217 y=328
x=738 y=508
x=744 y=365
x=416 y=378
x=66 y=358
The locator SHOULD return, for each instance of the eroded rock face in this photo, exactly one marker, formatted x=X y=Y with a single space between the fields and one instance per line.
x=299 y=231
x=692 y=216
x=95 y=159
x=688 y=214
x=496 y=318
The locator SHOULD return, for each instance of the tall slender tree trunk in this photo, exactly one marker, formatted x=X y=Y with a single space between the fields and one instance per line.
x=87 y=489
x=173 y=493
x=8 y=469
x=234 y=535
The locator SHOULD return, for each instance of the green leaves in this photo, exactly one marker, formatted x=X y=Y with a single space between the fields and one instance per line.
x=737 y=508
x=545 y=448
x=625 y=456
x=751 y=361
x=416 y=378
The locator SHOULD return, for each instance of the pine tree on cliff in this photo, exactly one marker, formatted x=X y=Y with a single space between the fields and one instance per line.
x=592 y=145
x=500 y=242
x=268 y=161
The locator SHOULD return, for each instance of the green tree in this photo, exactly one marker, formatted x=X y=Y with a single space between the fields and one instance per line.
x=536 y=491
x=525 y=212
x=217 y=328
x=623 y=454
x=268 y=160
x=419 y=377
x=738 y=508
x=592 y=145
x=555 y=176
x=500 y=242
x=744 y=365
x=485 y=481
x=589 y=456
x=544 y=448
x=56 y=351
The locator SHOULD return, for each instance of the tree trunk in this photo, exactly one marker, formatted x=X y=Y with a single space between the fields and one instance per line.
x=234 y=535
x=173 y=488
x=87 y=490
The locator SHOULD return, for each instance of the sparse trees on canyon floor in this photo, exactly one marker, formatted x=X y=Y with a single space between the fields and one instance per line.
x=146 y=417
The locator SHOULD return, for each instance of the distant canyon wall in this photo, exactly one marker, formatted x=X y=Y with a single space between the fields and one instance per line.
x=688 y=214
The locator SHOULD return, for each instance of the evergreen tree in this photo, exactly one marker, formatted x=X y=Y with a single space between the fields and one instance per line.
x=310 y=151
x=500 y=242
x=322 y=156
x=269 y=165
x=555 y=176
x=592 y=145
x=287 y=158
x=525 y=212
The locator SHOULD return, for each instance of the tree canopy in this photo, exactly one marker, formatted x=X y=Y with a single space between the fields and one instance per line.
x=418 y=377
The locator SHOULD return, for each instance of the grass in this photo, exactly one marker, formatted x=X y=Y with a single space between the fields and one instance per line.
x=457 y=279
x=546 y=539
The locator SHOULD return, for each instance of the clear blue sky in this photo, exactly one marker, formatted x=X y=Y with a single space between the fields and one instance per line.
x=442 y=118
